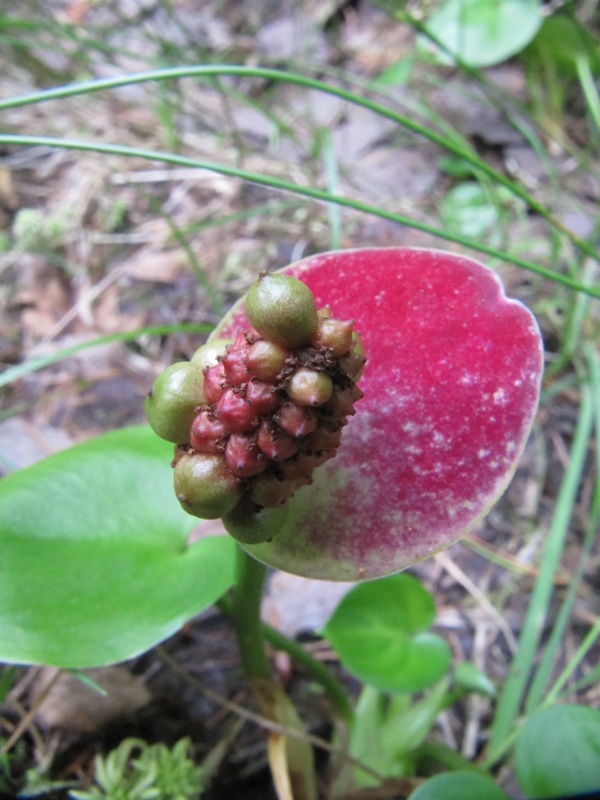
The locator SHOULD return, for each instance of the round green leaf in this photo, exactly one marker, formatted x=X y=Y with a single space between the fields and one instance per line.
x=379 y=632
x=467 y=209
x=459 y=786
x=484 y=32
x=558 y=752
x=94 y=564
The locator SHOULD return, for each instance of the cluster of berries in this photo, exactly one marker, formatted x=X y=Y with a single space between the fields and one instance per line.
x=251 y=419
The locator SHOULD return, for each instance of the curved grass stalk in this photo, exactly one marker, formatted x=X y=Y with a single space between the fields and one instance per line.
x=210 y=71
x=305 y=191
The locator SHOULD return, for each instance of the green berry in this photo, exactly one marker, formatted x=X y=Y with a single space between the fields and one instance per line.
x=282 y=309
x=335 y=335
x=205 y=486
x=353 y=364
x=309 y=388
x=208 y=354
x=265 y=360
x=272 y=491
x=172 y=402
x=251 y=526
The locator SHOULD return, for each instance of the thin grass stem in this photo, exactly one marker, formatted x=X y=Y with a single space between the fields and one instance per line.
x=211 y=70
x=305 y=191
x=514 y=688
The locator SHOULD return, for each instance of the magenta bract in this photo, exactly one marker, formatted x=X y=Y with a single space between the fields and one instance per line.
x=451 y=386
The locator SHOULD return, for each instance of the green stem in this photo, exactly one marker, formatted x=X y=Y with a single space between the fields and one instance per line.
x=245 y=613
x=335 y=691
x=333 y=688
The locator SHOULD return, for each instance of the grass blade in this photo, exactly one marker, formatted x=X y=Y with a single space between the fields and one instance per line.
x=513 y=691
x=305 y=191
x=448 y=143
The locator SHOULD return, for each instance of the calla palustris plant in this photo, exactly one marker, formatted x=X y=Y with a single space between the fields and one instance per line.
x=449 y=392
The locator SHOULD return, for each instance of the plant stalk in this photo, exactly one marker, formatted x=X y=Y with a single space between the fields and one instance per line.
x=244 y=610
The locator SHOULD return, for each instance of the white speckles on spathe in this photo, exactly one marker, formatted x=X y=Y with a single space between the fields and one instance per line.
x=499 y=396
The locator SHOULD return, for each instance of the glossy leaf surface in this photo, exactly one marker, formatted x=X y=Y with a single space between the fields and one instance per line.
x=379 y=631
x=558 y=752
x=94 y=565
x=450 y=388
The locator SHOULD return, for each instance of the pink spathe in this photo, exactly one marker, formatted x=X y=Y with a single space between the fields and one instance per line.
x=451 y=387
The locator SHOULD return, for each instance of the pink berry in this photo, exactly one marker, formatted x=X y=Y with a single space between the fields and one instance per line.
x=235 y=368
x=208 y=434
x=275 y=443
x=262 y=397
x=296 y=420
x=214 y=383
x=244 y=457
x=234 y=411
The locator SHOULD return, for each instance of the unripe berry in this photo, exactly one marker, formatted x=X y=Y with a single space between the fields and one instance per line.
x=172 y=402
x=275 y=443
x=341 y=403
x=270 y=491
x=205 y=486
x=208 y=434
x=335 y=335
x=307 y=387
x=262 y=397
x=296 y=420
x=244 y=457
x=354 y=362
x=250 y=525
x=234 y=361
x=324 y=439
x=214 y=383
x=208 y=354
x=234 y=412
x=266 y=360
x=303 y=465
x=282 y=309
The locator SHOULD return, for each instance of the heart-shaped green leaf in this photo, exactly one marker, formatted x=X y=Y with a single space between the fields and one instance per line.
x=558 y=752
x=379 y=631
x=94 y=561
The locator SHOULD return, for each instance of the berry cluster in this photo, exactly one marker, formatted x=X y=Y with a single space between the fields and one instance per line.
x=253 y=418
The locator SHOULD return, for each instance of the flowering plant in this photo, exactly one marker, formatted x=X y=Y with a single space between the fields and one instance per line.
x=96 y=565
